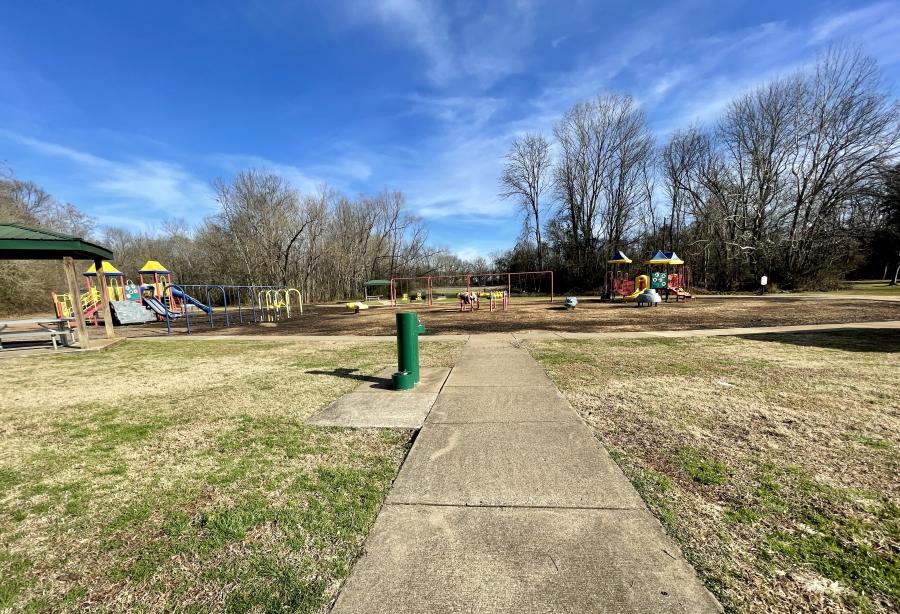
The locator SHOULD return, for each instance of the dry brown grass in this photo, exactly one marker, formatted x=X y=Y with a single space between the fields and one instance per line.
x=160 y=476
x=771 y=459
x=590 y=316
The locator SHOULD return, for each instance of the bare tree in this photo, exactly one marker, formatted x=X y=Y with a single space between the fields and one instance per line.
x=846 y=129
x=262 y=213
x=601 y=175
x=526 y=177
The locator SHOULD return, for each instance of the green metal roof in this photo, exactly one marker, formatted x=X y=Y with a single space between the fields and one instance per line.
x=18 y=242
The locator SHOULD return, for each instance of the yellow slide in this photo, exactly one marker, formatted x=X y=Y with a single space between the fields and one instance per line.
x=641 y=283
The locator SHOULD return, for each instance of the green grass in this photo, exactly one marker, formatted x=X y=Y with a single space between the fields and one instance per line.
x=702 y=469
x=871 y=287
x=185 y=478
x=771 y=459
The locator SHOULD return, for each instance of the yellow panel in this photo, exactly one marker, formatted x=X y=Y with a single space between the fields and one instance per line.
x=153 y=266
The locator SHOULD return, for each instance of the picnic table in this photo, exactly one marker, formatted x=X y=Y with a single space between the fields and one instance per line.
x=56 y=330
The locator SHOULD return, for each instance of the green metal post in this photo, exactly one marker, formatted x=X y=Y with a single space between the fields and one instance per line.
x=408 y=330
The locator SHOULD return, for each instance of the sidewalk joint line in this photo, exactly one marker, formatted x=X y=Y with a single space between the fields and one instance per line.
x=514 y=506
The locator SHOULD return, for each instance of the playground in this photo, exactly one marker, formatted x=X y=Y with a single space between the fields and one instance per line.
x=210 y=475
x=155 y=298
x=591 y=315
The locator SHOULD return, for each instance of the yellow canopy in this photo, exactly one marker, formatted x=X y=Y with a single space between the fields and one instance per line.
x=619 y=258
x=661 y=257
x=153 y=266
x=108 y=270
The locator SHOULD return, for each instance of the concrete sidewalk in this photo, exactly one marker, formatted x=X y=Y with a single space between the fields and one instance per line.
x=508 y=503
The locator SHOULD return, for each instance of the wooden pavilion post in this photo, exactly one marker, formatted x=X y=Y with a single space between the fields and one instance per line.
x=104 y=299
x=69 y=267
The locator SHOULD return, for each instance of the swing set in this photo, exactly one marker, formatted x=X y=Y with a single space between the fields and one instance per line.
x=496 y=287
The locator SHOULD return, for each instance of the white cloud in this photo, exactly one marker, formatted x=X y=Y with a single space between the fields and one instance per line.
x=165 y=187
x=875 y=27
x=852 y=22
x=342 y=173
x=456 y=43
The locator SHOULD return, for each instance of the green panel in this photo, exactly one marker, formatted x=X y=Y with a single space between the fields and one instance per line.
x=19 y=242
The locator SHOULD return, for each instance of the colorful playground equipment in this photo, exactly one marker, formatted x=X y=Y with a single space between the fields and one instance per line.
x=665 y=272
x=482 y=285
x=496 y=299
x=157 y=298
x=280 y=298
x=89 y=301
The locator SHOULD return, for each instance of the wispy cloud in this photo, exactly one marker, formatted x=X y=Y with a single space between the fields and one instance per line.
x=455 y=42
x=165 y=188
x=342 y=173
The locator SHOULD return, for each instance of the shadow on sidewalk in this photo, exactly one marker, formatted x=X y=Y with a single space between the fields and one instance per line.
x=380 y=382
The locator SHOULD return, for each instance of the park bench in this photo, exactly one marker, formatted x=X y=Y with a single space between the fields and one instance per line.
x=56 y=331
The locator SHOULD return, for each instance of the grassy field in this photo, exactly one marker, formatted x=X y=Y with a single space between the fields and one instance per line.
x=180 y=476
x=592 y=315
x=871 y=287
x=772 y=459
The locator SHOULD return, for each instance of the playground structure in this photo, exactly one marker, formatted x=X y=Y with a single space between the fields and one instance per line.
x=156 y=298
x=664 y=272
x=468 y=288
x=498 y=300
x=90 y=301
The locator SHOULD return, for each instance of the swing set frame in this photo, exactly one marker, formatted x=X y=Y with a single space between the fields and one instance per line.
x=429 y=282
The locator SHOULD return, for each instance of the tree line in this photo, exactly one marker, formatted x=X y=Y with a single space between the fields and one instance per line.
x=796 y=180
x=265 y=232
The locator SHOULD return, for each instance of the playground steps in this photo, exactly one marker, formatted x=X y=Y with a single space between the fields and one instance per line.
x=130 y=312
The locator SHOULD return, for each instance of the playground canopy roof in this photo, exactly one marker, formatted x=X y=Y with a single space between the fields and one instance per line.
x=377 y=282
x=619 y=258
x=153 y=266
x=108 y=269
x=18 y=242
x=673 y=258
x=661 y=257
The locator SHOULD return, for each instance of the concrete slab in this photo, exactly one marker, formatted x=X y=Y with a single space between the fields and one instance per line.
x=426 y=559
x=525 y=404
x=431 y=381
x=515 y=373
x=553 y=464
x=367 y=410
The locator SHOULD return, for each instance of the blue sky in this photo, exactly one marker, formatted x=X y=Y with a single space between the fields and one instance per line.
x=129 y=109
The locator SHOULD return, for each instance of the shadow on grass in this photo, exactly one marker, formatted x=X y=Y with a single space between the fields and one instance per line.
x=380 y=382
x=850 y=339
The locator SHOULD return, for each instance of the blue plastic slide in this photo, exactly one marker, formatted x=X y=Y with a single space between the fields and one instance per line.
x=187 y=298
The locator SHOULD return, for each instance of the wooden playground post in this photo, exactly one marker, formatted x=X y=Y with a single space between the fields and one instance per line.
x=69 y=267
x=104 y=299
